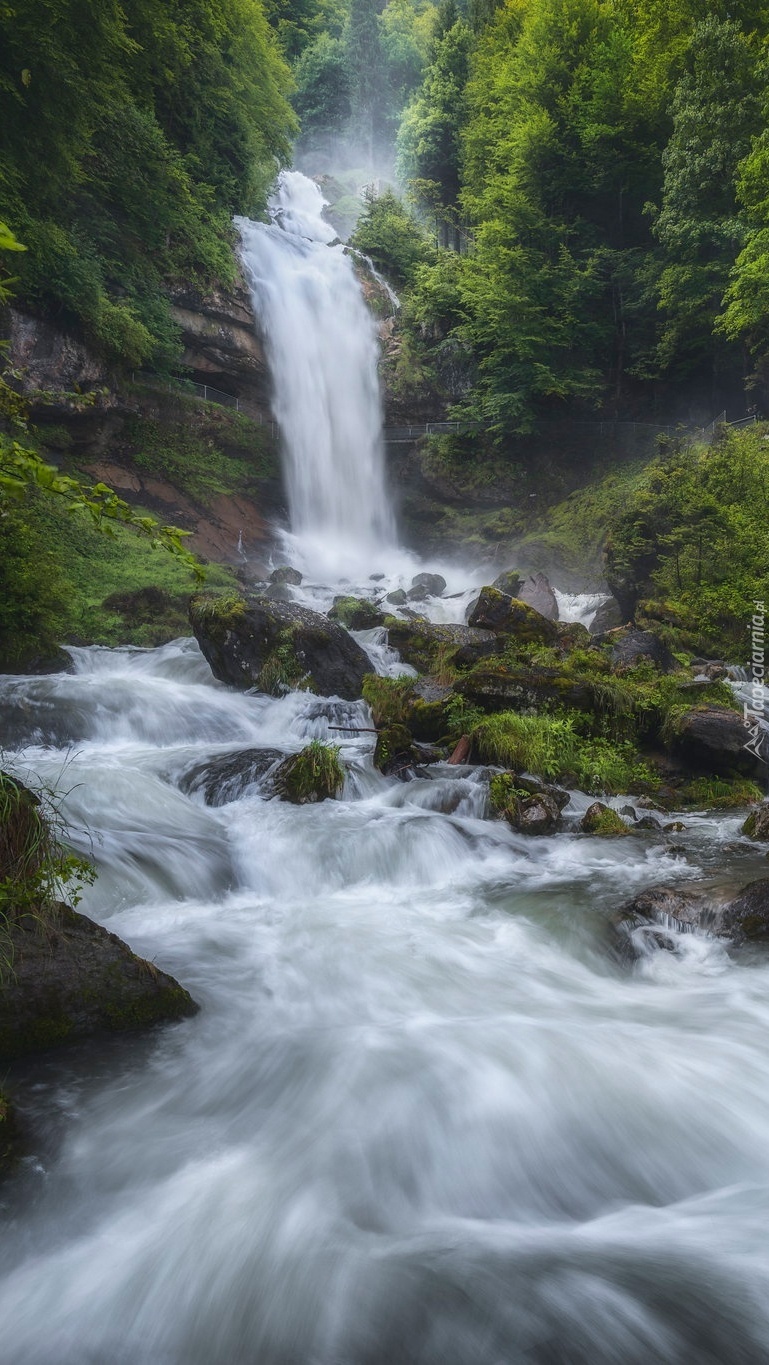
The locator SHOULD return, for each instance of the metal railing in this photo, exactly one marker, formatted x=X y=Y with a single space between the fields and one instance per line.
x=190 y=386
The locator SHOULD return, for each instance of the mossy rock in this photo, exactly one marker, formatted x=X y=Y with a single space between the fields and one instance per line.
x=438 y=650
x=603 y=821
x=757 y=824
x=509 y=616
x=315 y=774
x=510 y=582
x=356 y=613
x=71 y=979
x=394 y=751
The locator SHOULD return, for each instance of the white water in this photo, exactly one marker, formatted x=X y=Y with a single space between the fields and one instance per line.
x=322 y=350
x=422 y=1117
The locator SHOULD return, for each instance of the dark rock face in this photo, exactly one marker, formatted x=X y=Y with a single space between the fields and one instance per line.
x=538 y=593
x=631 y=646
x=746 y=919
x=607 y=617
x=757 y=824
x=509 y=583
x=286 y=575
x=503 y=689
x=537 y=815
x=712 y=740
x=509 y=616
x=422 y=644
x=435 y=583
x=221 y=342
x=229 y=776
x=357 y=613
x=72 y=979
x=253 y=642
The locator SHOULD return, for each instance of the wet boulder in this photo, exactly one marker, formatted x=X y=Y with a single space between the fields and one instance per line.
x=286 y=575
x=72 y=979
x=395 y=754
x=227 y=777
x=607 y=617
x=356 y=613
x=630 y=646
x=316 y=773
x=397 y=598
x=274 y=646
x=538 y=593
x=499 y=687
x=654 y=917
x=528 y=804
x=713 y=739
x=509 y=582
x=434 y=583
x=746 y=918
x=757 y=824
x=505 y=615
x=429 y=647
x=602 y=820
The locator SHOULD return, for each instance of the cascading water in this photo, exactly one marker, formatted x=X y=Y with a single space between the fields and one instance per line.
x=322 y=351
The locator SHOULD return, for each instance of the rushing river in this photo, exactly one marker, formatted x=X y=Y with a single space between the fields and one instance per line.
x=422 y=1117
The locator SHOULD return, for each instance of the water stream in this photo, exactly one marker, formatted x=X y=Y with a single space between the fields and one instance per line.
x=423 y=1116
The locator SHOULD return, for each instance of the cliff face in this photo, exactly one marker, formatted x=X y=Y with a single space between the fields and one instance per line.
x=221 y=343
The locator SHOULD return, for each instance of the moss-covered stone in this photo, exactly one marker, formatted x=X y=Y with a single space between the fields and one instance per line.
x=71 y=978
x=394 y=749
x=757 y=824
x=602 y=820
x=356 y=613
x=316 y=773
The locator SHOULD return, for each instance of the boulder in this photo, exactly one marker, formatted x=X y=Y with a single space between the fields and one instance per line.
x=435 y=583
x=356 y=613
x=505 y=615
x=746 y=918
x=630 y=646
x=757 y=824
x=602 y=820
x=508 y=582
x=607 y=617
x=395 y=755
x=253 y=642
x=418 y=594
x=72 y=979
x=316 y=773
x=538 y=593
x=661 y=912
x=227 y=777
x=712 y=740
x=428 y=647
x=286 y=575
x=397 y=598
x=537 y=815
x=515 y=687
x=528 y=804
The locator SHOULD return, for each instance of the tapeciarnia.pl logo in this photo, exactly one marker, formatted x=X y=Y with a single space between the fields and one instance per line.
x=753 y=711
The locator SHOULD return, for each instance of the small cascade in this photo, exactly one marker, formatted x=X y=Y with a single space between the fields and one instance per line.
x=322 y=350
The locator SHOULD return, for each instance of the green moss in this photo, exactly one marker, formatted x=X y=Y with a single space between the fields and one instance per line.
x=388 y=698
x=549 y=746
x=357 y=613
x=282 y=671
x=719 y=793
x=392 y=741
x=504 y=796
x=218 y=614
x=604 y=822
x=314 y=774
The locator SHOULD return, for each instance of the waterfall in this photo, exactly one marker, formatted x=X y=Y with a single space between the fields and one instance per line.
x=322 y=350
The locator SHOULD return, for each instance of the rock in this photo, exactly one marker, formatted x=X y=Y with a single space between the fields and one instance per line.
x=537 y=592
x=757 y=824
x=527 y=782
x=630 y=646
x=356 y=613
x=286 y=575
x=429 y=647
x=504 y=688
x=509 y=582
x=279 y=592
x=376 y=577
x=509 y=616
x=602 y=820
x=252 y=642
x=221 y=342
x=537 y=815
x=229 y=776
x=648 y=822
x=572 y=635
x=418 y=594
x=608 y=617
x=397 y=598
x=395 y=754
x=72 y=979
x=712 y=739
x=746 y=918
x=314 y=774
x=674 y=827
x=433 y=582
x=660 y=912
